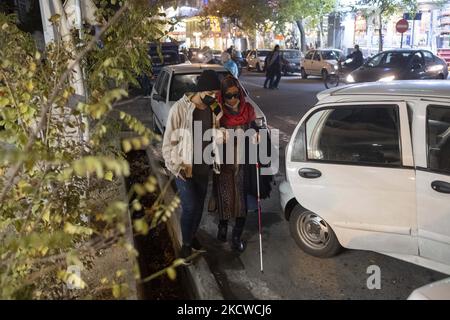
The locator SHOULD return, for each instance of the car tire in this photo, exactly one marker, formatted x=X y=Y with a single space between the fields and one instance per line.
x=321 y=242
x=303 y=73
x=324 y=74
x=441 y=76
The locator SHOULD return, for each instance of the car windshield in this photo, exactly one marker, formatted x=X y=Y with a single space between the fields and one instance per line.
x=330 y=55
x=390 y=60
x=168 y=58
x=291 y=54
x=182 y=83
x=263 y=53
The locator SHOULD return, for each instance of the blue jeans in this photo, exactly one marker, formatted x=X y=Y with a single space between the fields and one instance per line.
x=192 y=194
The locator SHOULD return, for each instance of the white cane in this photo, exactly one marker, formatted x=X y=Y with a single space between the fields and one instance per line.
x=259 y=217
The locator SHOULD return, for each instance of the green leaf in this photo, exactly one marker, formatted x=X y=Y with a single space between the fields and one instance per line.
x=108 y=176
x=171 y=273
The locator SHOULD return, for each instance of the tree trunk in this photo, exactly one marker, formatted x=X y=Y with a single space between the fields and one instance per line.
x=380 y=33
x=302 y=35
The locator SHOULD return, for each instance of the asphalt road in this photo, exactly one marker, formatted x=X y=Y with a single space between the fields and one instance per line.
x=289 y=273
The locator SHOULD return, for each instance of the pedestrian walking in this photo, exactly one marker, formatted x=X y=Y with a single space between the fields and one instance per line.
x=179 y=144
x=231 y=184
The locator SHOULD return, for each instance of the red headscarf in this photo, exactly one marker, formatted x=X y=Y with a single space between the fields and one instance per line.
x=246 y=112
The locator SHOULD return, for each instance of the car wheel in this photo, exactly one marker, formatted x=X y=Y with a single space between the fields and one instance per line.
x=258 y=67
x=441 y=76
x=313 y=234
x=324 y=74
x=303 y=72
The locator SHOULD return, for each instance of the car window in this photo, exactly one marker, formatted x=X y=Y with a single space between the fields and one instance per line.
x=355 y=135
x=330 y=55
x=309 y=55
x=417 y=59
x=429 y=58
x=375 y=60
x=184 y=83
x=159 y=83
x=164 y=84
x=291 y=54
x=298 y=153
x=263 y=53
x=317 y=56
x=438 y=128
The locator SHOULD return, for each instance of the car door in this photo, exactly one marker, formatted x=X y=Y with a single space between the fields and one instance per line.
x=432 y=142
x=307 y=61
x=351 y=164
x=316 y=64
x=417 y=66
x=159 y=97
x=433 y=68
x=252 y=59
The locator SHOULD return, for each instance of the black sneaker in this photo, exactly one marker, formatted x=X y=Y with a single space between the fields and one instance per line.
x=238 y=245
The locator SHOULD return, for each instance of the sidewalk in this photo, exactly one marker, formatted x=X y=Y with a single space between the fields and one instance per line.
x=229 y=269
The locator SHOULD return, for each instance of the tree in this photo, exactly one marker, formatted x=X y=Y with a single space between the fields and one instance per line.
x=298 y=10
x=57 y=204
x=383 y=10
x=247 y=15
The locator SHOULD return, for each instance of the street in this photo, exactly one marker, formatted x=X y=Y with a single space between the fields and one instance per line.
x=289 y=273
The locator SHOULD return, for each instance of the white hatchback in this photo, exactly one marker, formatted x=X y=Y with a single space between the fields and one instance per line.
x=368 y=168
x=176 y=80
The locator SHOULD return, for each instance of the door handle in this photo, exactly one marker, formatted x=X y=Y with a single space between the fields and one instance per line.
x=309 y=173
x=441 y=186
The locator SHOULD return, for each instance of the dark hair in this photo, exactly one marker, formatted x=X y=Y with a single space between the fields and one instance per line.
x=227 y=83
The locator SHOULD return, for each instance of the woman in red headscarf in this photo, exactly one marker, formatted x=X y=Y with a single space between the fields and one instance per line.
x=230 y=184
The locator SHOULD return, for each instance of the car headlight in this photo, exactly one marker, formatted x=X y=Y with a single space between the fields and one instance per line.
x=388 y=78
x=335 y=67
x=350 y=78
x=200 y=56
x=435 y=68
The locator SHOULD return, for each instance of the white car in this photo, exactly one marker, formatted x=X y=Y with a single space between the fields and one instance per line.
x=368 y=168
x=438 y=290
x=320 y=62
x=256 y=59
x=174 y=81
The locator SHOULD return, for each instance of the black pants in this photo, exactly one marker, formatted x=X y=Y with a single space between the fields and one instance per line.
x=277 y=77
x=269 y=79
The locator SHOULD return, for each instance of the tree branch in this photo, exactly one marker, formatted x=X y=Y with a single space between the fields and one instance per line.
x=17 y=167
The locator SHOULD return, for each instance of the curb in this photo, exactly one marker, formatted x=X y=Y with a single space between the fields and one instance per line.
x=198 y=274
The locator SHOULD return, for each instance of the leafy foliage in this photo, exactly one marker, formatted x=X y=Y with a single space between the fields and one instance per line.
x=59 y=186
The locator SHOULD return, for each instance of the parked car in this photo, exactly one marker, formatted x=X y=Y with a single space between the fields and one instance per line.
x=320 y=62
x=438 y=290
x=293 y=58
x=174 y=81
x=401 y=64
x=192 y=54
x=368 y=167
x=256 y=59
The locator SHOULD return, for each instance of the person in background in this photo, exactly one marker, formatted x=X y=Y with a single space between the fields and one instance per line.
x=357 y=59
x=229 y=64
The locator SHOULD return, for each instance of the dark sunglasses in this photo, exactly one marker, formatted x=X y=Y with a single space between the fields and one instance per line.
x=232 y=95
